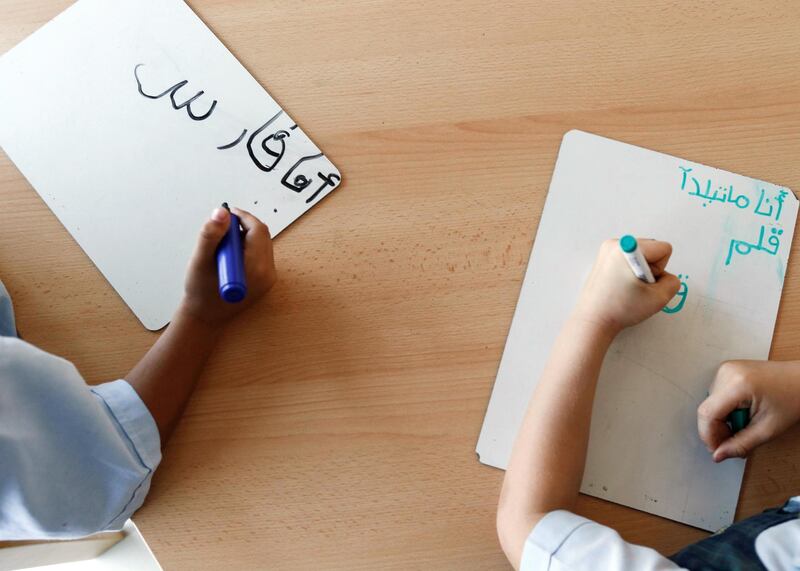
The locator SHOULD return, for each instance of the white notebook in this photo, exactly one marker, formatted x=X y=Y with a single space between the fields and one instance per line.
x=731 y=237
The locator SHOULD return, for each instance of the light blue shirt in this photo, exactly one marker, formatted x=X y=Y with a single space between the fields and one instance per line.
x=564 y=541
x=74 y=459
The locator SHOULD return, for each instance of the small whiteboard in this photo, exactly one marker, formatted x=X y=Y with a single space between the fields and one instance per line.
x=731 y=237
x=133 y=121
x=131 y=553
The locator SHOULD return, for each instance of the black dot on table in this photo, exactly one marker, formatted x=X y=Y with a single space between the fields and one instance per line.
x=274 y=209
x=255 y=202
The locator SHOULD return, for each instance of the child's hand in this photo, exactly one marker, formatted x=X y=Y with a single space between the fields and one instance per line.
x=202 y=300
x=614 y=298
x=770 y=389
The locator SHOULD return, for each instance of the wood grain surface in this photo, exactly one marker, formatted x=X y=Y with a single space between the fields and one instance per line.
x=335 y=426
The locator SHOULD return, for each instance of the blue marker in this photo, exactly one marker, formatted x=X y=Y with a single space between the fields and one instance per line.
x=639 y=266
x=230 y=263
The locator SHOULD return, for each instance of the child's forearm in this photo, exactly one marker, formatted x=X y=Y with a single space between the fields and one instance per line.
x=548 y=459
x=165 y=377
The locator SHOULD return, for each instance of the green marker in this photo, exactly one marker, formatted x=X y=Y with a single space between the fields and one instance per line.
x=738 y=419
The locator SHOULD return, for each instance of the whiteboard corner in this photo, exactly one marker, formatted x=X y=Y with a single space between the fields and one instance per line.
x=153 y=324
x=488 y=457
x=572 y=133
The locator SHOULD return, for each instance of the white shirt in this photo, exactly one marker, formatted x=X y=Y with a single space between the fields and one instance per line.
x=74 y=459
x=563 y=541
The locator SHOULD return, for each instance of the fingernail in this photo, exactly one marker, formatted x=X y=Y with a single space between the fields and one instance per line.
x=219 y=215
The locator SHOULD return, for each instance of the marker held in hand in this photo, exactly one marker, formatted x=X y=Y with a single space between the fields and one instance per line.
x=639 y=266
x=230 y=262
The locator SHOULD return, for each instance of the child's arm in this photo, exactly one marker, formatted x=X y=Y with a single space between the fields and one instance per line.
x=770 y=389
x=546 y=466
x=103 y=442
x=165 y=377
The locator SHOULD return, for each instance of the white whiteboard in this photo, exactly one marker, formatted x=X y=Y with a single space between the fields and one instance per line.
x=131 y=554
x=644 y=451
x=133 y=121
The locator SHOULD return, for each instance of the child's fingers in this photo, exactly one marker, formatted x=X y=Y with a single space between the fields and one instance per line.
x=656 y=253
x=713 y=433
x=743 y=442
x=210 y=235
x=258 y=248
x=667 y=286
x=713 y=412
x=256 y=232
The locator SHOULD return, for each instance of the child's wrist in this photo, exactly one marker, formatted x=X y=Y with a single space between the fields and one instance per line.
x=191 y=317
x=596 y=325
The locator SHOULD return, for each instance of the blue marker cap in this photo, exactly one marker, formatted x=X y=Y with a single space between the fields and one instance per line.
x=627 y=243
x=230 y=263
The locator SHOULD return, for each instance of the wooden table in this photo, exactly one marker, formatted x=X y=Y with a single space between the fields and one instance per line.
x=335 y=427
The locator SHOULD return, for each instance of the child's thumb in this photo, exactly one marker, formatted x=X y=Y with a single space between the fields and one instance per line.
x=211 y=233
x=668 y=285
x=743 y=442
